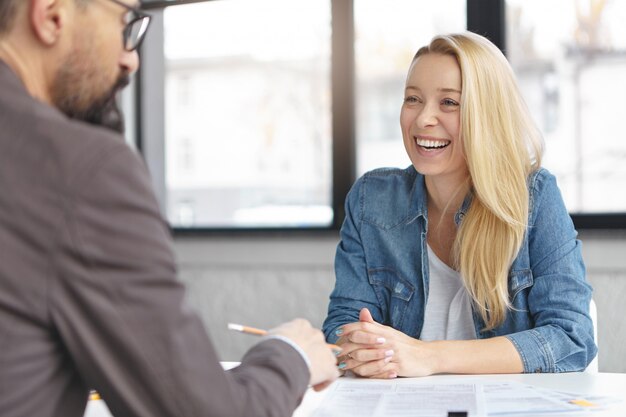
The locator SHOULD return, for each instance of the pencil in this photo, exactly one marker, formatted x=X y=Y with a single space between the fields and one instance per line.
x=247 y=329
x=261 y=332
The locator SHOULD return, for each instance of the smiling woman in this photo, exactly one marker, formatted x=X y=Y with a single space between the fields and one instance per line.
x=430 y=117
x=467 y=261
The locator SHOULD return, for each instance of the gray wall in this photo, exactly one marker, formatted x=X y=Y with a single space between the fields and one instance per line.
x=262 y=281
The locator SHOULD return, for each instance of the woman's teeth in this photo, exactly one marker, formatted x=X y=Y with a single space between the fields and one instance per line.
x=432 y=144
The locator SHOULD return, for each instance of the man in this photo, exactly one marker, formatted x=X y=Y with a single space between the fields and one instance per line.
x=88 y=295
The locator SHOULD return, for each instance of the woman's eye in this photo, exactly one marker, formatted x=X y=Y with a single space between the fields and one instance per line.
x=449 y=102
x=411 y=100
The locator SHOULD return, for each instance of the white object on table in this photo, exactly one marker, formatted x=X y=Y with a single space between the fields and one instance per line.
x=604 y=384
x=587 y=384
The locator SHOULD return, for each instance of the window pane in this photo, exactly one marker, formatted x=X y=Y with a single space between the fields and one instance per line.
x=570 y=60
x=388 y=33
x=248 y=133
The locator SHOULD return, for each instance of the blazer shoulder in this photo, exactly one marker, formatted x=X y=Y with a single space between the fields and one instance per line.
x=77 y=148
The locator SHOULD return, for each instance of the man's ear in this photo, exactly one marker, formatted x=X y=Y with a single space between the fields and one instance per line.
x=48 y=19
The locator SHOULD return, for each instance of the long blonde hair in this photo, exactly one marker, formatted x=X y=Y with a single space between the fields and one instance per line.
x=502 y=146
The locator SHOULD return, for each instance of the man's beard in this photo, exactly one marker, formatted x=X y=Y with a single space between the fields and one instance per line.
x=106 y=111
x=70 y=94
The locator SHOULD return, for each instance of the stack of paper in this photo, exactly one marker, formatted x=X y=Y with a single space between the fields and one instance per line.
x=478 y=397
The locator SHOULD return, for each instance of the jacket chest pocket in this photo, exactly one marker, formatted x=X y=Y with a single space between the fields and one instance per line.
x=519 y=281
x=393 y=293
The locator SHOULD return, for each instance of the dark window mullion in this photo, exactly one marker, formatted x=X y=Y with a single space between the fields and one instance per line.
x=343 y=104
x=487 y=18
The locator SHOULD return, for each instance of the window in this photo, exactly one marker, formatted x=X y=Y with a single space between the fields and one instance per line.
x=570 y=60
x=247 y=114
x=261 y=125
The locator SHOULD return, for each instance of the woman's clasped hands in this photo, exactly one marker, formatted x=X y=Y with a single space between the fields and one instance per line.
x=373 y=350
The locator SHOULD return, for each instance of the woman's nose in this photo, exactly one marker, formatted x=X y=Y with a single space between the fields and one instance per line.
x=426 y=117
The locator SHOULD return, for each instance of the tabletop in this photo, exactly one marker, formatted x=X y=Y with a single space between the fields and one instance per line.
x=607 y=384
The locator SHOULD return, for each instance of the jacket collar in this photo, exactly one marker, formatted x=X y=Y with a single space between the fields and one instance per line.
x=419 y=199
x=418 y=207
x=9 y=77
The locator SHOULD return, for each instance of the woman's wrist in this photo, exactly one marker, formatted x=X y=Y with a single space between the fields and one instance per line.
x=427 y=358
x=438 y=358
x=495 y=355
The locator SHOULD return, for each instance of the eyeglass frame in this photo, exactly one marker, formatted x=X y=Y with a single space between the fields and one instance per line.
x=139 y=16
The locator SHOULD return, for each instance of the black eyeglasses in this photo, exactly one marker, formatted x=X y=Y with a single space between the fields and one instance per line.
x=136 y=26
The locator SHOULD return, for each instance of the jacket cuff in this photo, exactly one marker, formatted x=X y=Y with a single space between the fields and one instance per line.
x=295 y=347
x=534 y=350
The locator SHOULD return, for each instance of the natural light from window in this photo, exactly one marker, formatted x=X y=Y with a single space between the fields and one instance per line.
x=248 y=114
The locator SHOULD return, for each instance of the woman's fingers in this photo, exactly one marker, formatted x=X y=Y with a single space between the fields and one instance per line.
x=369 y=351
x=370 y=348
x=389 y=374
x=365 y=338
x=361 y=357
x=366 y=316
x=373 y=368
x=371 y=327
x=368 y=355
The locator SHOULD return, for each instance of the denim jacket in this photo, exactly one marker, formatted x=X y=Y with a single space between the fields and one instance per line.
x=382 y=264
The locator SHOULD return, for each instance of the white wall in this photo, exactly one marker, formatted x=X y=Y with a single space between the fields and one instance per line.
x=605 y=258
x=262 y=281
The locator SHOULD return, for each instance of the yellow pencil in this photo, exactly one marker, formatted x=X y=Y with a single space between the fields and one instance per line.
x=261 y=332
x=247 y=329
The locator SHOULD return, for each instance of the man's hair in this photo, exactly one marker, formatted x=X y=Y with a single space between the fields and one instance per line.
x=8 y=10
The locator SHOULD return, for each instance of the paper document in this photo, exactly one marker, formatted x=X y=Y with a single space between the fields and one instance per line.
x=362 y=398
x=415 y=397
x=515 y=399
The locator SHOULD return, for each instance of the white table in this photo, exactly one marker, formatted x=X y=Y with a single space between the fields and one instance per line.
x=579 y=382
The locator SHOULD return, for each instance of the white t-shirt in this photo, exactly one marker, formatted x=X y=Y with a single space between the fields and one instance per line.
x=448 y=314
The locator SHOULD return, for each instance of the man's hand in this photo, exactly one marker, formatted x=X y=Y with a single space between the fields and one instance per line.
x=311 y=341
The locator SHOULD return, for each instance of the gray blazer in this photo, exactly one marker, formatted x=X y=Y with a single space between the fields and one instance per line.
x=88 y=289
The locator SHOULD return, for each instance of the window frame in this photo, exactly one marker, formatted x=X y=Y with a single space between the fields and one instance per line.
x=486 y=17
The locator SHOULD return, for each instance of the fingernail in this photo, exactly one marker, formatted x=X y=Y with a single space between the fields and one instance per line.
x=393 y=375
x=388 y=359
x=380 y=340
x=342 y=365
x=338 y=332
x=336 y=352
x=389 y=352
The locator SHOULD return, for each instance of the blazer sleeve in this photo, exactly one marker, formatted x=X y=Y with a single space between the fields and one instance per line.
x=121 y=314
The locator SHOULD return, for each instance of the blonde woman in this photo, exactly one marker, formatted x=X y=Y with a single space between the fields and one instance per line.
x=467 y=261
